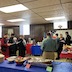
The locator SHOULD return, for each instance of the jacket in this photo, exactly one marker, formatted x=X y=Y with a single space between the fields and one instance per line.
x=68 y=39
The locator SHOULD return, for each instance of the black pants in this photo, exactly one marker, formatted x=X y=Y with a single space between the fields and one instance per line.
x=59 y=49
x=21 y=48
x=12 y=50
x=22 y=52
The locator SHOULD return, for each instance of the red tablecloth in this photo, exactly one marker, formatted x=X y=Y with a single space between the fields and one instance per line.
x=28 y=48
x=66 y=55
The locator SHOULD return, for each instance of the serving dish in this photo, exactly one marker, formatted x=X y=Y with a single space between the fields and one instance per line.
x=19 y=60
x=40 y=62
x=11 y=59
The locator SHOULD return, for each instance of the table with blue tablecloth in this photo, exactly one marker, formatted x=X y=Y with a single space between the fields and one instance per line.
x=57 y=67
x=62 y=67
x=36 y=50
x=12 y=67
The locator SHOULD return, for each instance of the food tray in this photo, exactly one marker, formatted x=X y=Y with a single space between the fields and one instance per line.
x=40 y=62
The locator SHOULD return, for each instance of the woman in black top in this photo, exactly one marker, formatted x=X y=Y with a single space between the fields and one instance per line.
x=21 y=46
x=61 y=42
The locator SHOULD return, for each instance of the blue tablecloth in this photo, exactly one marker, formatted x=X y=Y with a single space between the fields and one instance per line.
x=62 y=67
x=36 y=50
x=57 y=67
x=8 y=67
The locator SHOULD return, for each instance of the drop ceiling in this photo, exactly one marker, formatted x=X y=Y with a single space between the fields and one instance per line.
x=38 y=10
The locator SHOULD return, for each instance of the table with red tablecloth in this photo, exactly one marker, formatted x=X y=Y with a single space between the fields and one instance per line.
x=66 y=55
x=28 y=48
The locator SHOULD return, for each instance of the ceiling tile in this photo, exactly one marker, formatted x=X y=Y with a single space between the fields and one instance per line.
x=35 y=18
x=49 y=16
x=28 y=15
x=48 y=8
x=38 y=21
x=67 y=6
x=68 y=12
x=40 y=3
x=4 y=3
x=26 y=1
x=39 y=9
x=52 y=13
x=65 y=1
x=69 y=17
x=32 y=16
x=21 y=14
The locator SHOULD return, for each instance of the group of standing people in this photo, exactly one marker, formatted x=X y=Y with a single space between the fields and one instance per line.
x=55 y=45
x=10 y=46
x=62 y=41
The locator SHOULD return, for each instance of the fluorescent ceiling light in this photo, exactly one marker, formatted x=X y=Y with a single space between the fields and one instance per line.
x=13 y=8
x=55 y=18
x=16 y=20
x=1 y=24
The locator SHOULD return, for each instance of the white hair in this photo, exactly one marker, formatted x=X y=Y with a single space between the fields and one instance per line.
x=14 y=38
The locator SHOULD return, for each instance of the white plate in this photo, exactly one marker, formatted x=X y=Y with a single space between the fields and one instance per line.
x=12 y=58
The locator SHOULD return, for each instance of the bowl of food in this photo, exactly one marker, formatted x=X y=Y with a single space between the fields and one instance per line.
x=19 y=60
